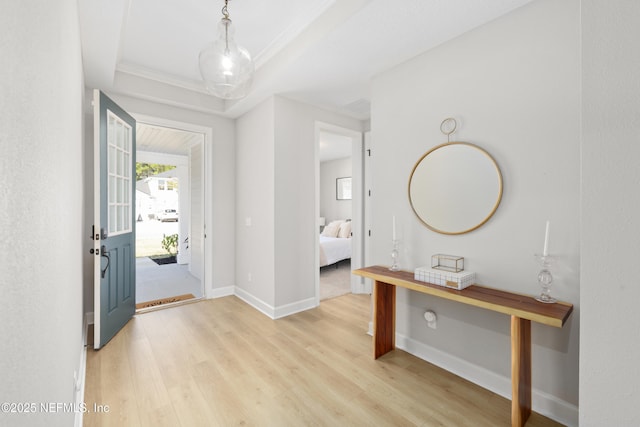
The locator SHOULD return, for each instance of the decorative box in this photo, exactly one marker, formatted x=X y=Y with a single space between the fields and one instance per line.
x=453 y=263
x=448 y=279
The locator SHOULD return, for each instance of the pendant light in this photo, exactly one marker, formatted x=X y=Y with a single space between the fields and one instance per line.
x=226 y=68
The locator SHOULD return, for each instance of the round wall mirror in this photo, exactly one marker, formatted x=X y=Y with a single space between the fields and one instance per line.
x=455 y=188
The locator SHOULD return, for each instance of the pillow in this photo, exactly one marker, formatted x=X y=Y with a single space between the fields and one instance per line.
x=332 y=229
x=345 y=230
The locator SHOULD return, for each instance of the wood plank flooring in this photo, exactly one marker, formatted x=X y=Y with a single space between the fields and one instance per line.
x=222 y=363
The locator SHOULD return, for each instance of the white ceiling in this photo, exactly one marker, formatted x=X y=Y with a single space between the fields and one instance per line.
x=322 y=52
x=159 y=139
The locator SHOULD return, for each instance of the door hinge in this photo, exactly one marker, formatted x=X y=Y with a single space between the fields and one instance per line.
x=369 y=152
x=369 y=193
x=369 y=233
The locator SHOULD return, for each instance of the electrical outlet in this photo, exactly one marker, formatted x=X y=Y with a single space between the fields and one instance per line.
x=431 y=318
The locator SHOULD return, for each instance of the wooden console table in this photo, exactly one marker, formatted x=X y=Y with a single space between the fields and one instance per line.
x=522 y=309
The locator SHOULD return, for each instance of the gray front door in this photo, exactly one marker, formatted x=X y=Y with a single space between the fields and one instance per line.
x=114 y=204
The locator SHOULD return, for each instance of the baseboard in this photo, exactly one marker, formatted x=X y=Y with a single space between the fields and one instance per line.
x=295 y=307
x=82 y=370
x=275 y=312
x=256 y=303
x=220 y=292
x=542 y=403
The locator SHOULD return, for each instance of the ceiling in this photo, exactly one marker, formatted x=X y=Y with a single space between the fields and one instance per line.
x=321 y=52
x=159 y=139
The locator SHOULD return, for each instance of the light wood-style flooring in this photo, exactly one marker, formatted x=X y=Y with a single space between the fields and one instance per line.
x=222 y=363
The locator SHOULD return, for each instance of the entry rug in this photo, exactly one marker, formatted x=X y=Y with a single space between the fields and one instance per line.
x=163 y=259
x=157 y=302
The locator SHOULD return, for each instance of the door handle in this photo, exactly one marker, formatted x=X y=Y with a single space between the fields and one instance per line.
x=104 y=254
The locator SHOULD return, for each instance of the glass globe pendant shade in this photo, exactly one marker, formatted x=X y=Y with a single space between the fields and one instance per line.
x=226 y=68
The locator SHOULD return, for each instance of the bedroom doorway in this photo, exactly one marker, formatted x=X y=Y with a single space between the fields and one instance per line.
x=339 y=196
x=170 y=215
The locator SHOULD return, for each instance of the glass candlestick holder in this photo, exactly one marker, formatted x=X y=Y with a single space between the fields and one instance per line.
x=545 y=278
x=394 y=256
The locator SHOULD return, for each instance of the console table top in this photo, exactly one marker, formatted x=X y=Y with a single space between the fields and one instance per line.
x=522 y=306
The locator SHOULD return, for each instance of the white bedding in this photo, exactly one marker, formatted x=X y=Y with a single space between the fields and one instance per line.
x=334 y=249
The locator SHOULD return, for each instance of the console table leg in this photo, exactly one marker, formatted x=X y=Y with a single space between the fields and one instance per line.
x=384 y=318
x=520 y=371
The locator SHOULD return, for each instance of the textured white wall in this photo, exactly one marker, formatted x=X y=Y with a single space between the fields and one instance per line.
x=609 y=295
x=513 y=85
x=331 y=208
x=41 y=207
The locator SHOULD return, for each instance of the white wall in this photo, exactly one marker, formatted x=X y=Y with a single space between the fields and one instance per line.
x=296 y=199
x=609 y=348
x=220 y=181
x=513 y=85
x=41 y=207
x=255 y=193
x=330 y=208
x=276 y=167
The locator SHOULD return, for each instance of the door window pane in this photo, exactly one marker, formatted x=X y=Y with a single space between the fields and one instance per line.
x=112 y=194
x=119 y=137
x=120 y=158
x=127 y=160
x=127 y=139
x=112 y=159
x=112 y=222
x=127 y=218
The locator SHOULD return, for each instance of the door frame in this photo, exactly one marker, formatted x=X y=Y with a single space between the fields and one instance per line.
x=208 y=170
x=357 y=205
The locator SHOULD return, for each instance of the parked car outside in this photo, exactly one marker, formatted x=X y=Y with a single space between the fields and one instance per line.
x=167 y=215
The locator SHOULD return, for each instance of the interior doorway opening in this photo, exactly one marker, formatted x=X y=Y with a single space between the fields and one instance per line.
x=340 y=204
x=170 y=215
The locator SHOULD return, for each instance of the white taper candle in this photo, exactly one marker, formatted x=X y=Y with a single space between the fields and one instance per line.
x=545 y=250
x=394 y=227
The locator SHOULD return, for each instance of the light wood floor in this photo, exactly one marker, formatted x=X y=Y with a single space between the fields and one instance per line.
x=222 y=363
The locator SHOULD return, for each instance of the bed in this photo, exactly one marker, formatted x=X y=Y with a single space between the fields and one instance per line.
x=335 y=243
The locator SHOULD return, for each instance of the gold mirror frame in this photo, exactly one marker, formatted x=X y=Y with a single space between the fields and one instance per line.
x=452 y=171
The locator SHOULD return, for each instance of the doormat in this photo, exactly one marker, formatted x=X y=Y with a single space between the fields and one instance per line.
x=157 y=302
x=163 y=259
